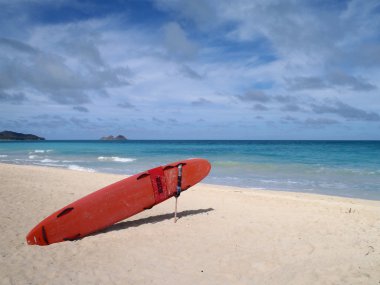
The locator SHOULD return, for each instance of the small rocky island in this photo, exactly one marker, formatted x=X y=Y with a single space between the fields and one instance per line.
x=112 y=138
x=13 y=136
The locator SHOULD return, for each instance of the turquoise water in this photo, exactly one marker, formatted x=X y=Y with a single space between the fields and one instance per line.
x=342 y=168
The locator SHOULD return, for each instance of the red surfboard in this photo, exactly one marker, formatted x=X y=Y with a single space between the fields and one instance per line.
x=118 y=201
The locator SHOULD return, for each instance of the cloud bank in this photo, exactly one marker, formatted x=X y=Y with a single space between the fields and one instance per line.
x=186 y=69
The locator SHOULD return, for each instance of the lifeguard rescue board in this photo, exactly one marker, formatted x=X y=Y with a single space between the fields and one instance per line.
x=117 y=202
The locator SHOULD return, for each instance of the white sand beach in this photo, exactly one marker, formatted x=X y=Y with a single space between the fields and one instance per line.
x=225 y=235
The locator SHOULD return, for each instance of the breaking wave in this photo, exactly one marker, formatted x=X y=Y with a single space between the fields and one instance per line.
x=47 y=160
x=80 y=168
x=41 y=151
x=116 y=159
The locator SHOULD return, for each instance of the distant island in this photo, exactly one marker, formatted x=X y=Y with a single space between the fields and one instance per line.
x=13 y=136
x=112 y=138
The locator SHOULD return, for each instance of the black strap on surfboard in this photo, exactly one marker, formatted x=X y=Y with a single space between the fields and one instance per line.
x=179 y=181
x=179 y=188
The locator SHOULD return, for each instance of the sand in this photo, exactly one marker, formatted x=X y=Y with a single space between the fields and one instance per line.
x=225 y=235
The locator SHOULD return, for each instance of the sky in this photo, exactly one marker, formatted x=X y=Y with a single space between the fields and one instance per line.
x=191 y=69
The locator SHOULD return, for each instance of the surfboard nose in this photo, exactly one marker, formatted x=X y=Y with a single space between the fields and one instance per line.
x=199 y=169
x=206 y=165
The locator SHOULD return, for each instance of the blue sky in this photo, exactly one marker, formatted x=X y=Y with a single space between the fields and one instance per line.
x=191 y=69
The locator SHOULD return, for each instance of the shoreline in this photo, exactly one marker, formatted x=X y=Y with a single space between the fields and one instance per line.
x=224 y=235
x=246 y=188
x=346 y=169
x=218 y=187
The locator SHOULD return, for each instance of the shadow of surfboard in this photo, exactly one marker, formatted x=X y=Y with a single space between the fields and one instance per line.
x=150 y=220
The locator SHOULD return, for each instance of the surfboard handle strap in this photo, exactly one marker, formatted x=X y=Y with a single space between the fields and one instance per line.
x=179 y=181
x=178 y=193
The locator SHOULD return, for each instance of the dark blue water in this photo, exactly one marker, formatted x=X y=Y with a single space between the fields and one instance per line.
x=343 y=168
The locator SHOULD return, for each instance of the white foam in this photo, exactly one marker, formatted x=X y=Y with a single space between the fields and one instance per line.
x=116 y=159
x=49 y=164
x=47 y=160
x=42 y=150
x=3 y=155
x=32 y=156
x=80 y=168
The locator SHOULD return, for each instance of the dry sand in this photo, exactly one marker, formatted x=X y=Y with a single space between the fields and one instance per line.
x=225 y=235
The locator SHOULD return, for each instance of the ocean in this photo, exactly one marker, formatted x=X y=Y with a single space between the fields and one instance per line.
x=341 y=168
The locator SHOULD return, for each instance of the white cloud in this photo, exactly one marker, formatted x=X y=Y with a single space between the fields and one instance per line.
x=177 y=42
x=202 y=13
x=61 y=62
